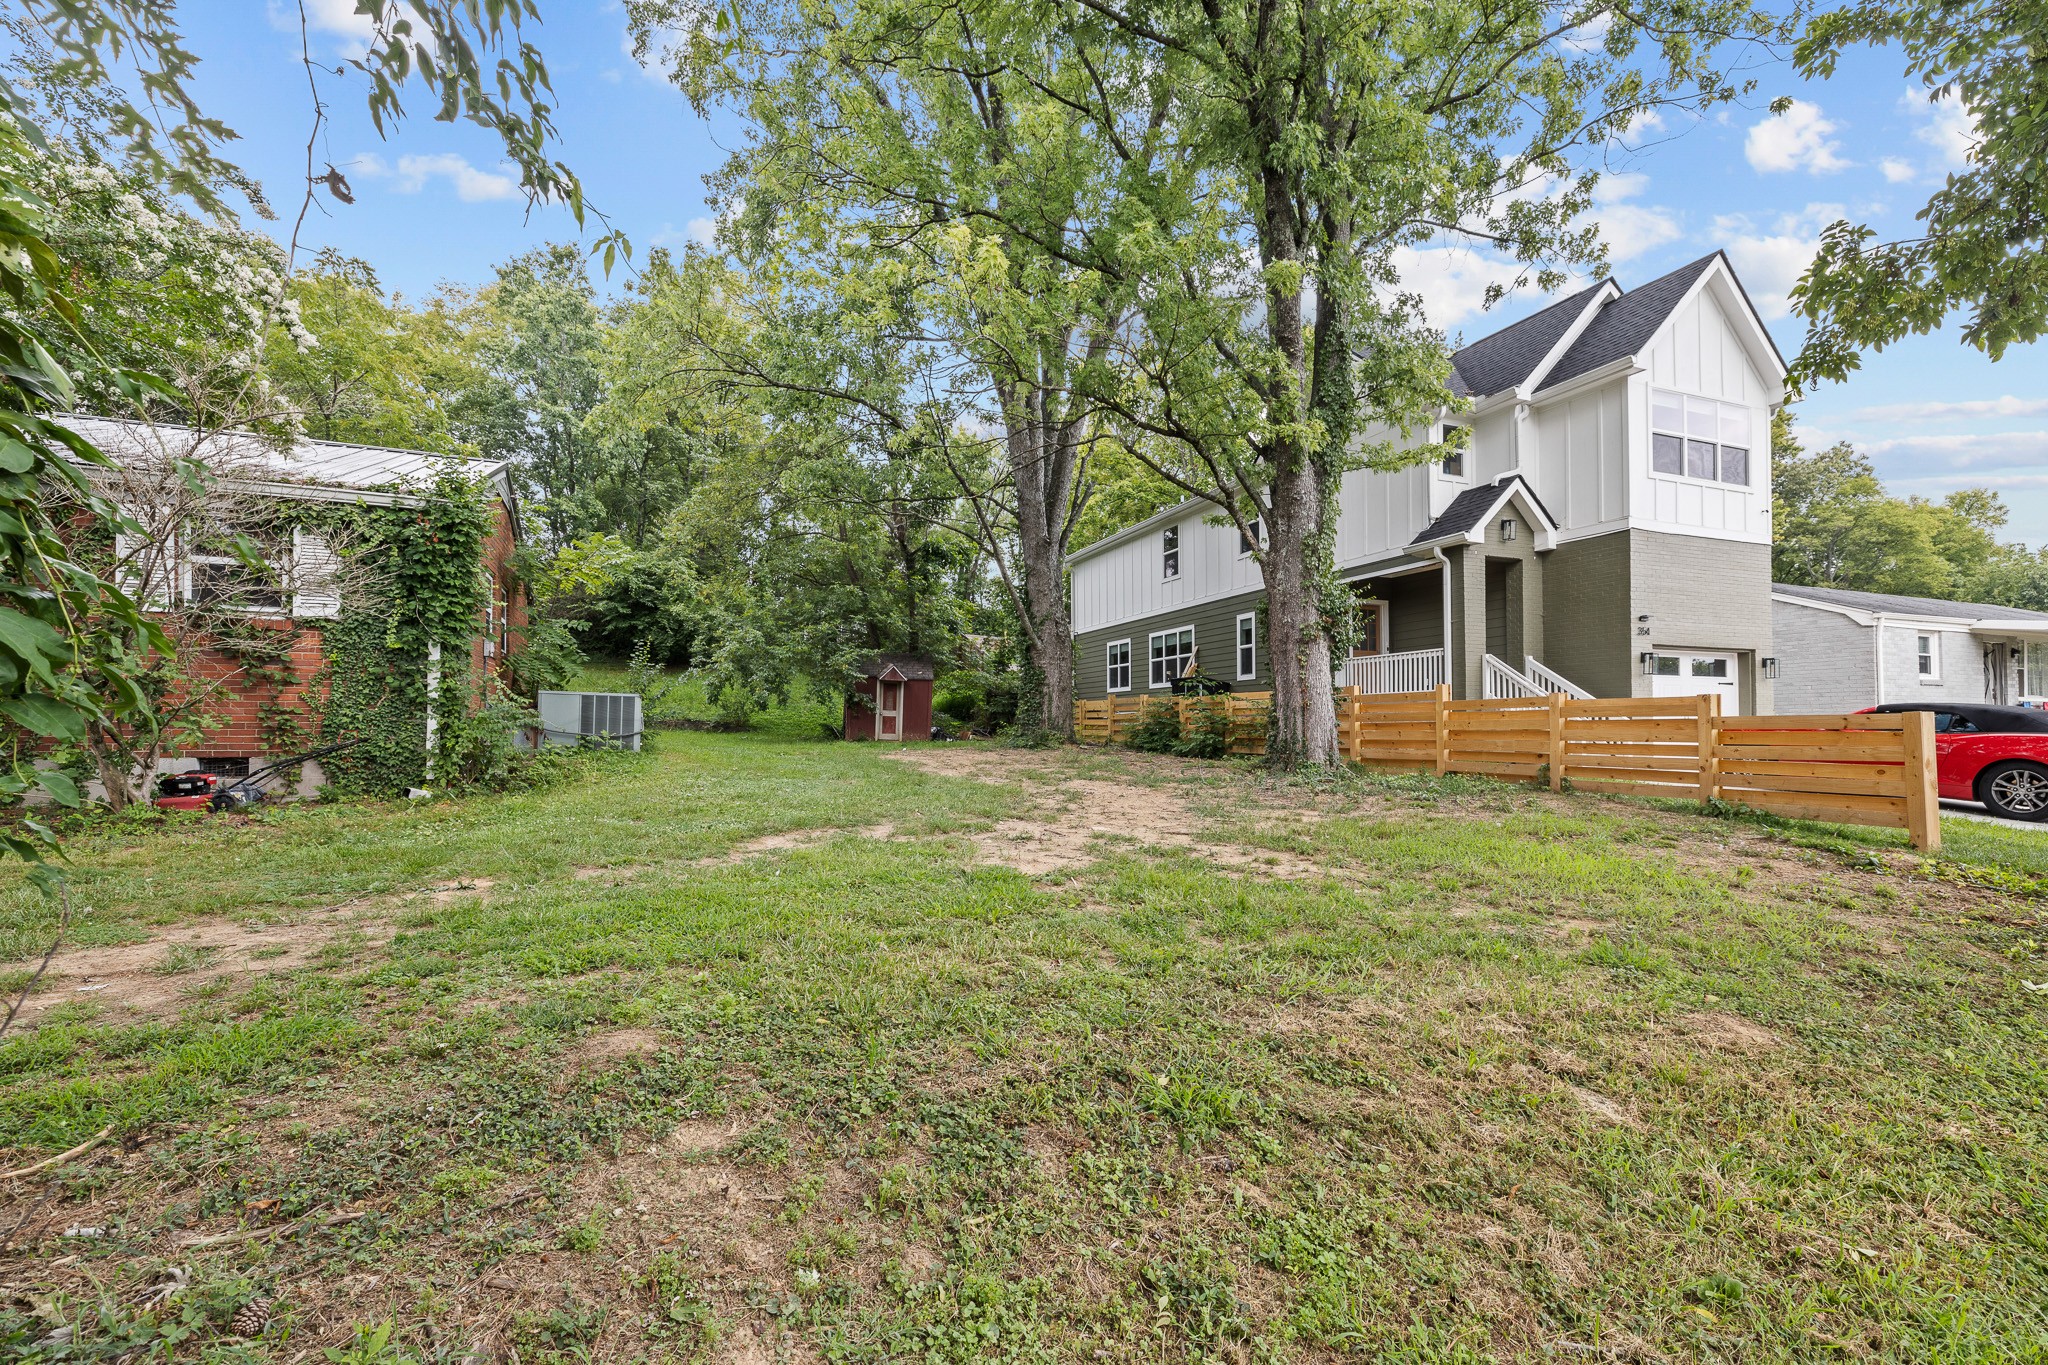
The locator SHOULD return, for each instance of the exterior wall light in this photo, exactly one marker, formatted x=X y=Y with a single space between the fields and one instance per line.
x=1507 y=528
x=1649 y=662
x=1770 y=668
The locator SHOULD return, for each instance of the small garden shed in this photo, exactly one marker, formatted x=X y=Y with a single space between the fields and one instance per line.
x=892 y=700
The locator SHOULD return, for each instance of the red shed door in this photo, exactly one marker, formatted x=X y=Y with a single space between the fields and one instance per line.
x=888 y=709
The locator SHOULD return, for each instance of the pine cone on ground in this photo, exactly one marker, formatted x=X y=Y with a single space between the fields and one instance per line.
x=251 y=1319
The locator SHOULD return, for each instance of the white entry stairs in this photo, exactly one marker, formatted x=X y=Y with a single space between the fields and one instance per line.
x=1500 y=680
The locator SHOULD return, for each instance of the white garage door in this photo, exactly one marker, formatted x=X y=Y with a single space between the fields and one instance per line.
x=1686 y=673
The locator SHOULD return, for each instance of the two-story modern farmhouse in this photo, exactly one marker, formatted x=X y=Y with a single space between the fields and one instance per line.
x=1605 y=531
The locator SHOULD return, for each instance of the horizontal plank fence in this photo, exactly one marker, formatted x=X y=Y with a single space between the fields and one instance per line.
x=1109 y=720
x=1851 y=769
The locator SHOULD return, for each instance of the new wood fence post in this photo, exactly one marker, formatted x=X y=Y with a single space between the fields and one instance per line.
x=1709 y=739
x=1557 y=741
x=1923 y=800
x=1442 y=711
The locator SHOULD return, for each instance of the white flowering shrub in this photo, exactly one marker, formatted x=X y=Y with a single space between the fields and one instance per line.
x=156 y=288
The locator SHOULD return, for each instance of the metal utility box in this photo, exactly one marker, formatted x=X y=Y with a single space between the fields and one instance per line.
x=573 y=717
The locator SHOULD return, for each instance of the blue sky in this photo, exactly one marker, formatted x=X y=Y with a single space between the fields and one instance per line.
x=434 y=203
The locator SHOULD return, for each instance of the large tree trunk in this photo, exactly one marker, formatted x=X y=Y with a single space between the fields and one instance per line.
x=1304 y=706
x=1040 y=468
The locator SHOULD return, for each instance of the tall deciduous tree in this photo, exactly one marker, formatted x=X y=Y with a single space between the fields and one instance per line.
x=1980 y=248
x=919 y=173
x=1312 y=141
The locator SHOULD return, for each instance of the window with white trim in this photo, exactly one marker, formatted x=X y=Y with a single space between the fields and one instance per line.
x=1453 y=463
x=1169 y=552
x=1927 y=656
x=1172 y=652
x=1257 y=539
x=2033 y=678
x=1372 y=628
x=1699 y=438
x=1119 y=666
x=1247 y=645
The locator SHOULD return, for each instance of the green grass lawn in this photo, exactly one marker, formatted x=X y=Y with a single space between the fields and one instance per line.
x=747 y=1049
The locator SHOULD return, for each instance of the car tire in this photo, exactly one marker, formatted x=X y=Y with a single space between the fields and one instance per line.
x=2016 y=790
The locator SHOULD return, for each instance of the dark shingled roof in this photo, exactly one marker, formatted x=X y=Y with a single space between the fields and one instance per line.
x=1625 y=326
x=1471 y=508
x=1909 y=606
x=909 y=665
x=1511 y=355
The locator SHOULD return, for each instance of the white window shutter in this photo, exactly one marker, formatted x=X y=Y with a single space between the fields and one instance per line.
x=316 y=591
x=143 y=572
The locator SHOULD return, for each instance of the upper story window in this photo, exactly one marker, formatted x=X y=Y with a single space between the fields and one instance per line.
x=1453 y=463
x=1255 y=541
x=1699 y=438
x=1169 y=552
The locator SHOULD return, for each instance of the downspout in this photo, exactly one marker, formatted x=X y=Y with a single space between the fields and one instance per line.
x=1443 y=560
x=1877 y=654
x=433 y=686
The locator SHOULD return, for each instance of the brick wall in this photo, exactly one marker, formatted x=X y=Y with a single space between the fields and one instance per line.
x=505 y=591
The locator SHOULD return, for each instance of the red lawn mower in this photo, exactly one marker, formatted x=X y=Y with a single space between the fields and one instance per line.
x=212 y=791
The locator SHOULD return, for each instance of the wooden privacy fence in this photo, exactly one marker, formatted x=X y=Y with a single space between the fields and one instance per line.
x=1853 y=769
x=1109 y=720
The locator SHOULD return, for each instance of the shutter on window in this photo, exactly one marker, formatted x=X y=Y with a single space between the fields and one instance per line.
x=315 y=568
x=141 y=572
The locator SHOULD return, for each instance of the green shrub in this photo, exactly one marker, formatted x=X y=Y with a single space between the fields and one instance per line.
x=1157 y=730
x=1207 y=731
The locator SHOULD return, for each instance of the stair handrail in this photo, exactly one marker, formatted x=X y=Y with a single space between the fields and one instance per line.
x=1550 y=680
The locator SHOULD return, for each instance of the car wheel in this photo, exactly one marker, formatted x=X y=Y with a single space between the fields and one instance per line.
x=2018 y=791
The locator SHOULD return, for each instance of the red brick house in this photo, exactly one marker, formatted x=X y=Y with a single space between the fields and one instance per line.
x=244 y=708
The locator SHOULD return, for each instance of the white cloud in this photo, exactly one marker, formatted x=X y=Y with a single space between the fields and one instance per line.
x=332 y=18
x=1771 y=259
x=1451 y=280
x=2006 y=406
x=700 y=231
x=1631 y=230
x=1962 y=450
x=1800 y=139
x=1589 y=37
x=1947 y=127
x=412 y=173
x=1898 y=170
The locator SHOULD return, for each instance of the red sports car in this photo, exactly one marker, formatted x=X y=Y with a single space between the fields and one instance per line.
x=1994 y=754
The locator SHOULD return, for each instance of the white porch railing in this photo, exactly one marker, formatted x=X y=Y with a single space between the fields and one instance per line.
x=1550 y=680
x=1411 y=670
x=1499 y=681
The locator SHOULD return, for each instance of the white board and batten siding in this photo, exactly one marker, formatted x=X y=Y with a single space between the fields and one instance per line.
x=1581 y=466
x=1126 y=581
x=1699 y=354
x=1380 y=513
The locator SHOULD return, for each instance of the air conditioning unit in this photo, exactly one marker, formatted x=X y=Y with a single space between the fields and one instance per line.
x=573 y=717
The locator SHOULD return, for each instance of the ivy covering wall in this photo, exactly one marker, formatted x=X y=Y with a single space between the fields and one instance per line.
x=372 y=687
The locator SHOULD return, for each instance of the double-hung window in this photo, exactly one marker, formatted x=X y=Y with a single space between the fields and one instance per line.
x=1927 y=656
x=1699 y=438
x=1169 y=553
x=1172 y=652
x=1247 y=646
x=1454 y=459
x=1119 y=666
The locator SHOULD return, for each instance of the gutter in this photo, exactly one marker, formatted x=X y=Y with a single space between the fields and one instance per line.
x=1443 y=560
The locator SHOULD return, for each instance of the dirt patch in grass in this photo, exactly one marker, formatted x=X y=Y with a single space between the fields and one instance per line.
x=1730 y=1032
x=158 y=976
x=1081 y=819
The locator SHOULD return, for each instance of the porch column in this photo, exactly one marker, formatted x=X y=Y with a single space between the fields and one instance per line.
x=1466 y=661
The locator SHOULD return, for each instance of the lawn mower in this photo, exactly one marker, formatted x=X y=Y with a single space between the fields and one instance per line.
x=211 y=791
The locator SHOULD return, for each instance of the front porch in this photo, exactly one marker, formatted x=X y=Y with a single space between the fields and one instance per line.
x=1422 y=670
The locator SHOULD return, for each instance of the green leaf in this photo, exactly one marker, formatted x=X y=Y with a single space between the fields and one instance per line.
x=61 y=788
x=45 y=715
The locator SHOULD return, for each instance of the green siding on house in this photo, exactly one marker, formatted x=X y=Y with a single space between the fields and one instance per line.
x=1215 y=625
x=1589 y=635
